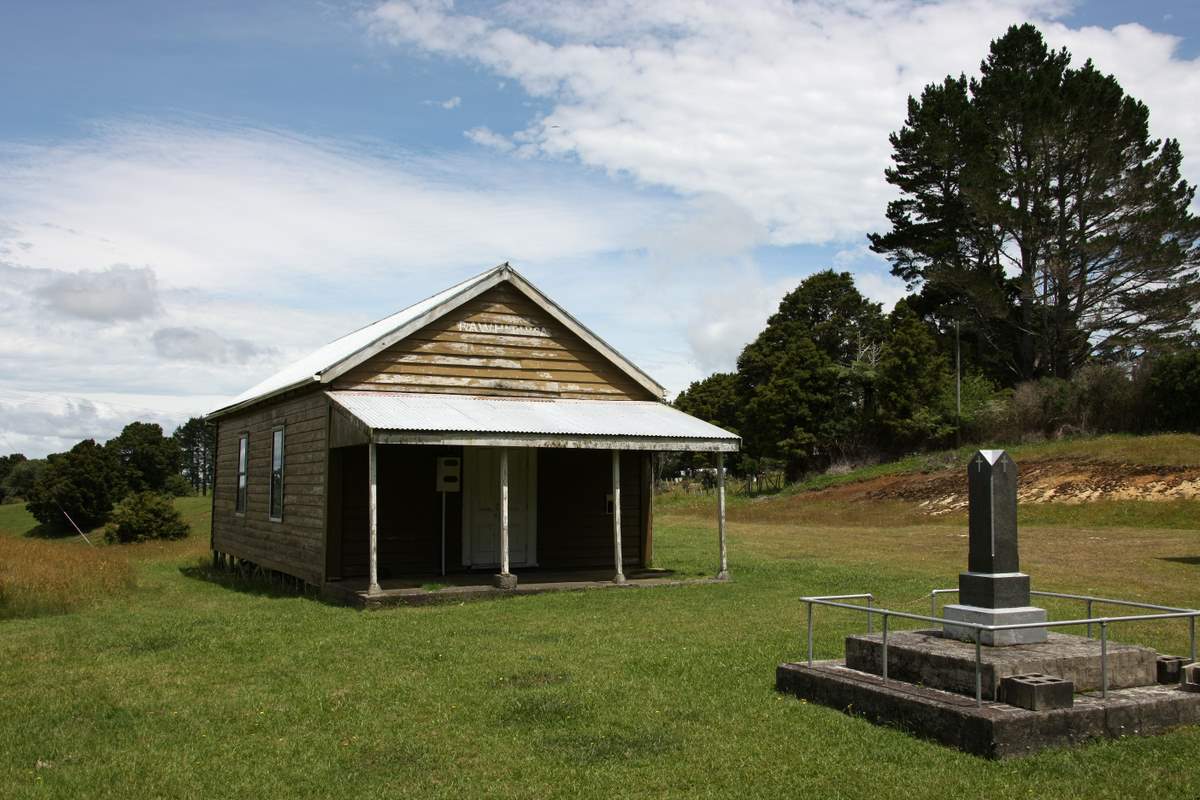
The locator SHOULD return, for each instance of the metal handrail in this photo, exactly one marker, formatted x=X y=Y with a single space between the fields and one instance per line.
x=833 y=601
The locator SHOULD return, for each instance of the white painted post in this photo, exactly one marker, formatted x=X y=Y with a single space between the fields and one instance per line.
x=723 y=574
x=616 y=493
x=503 y=510
x=372 y=460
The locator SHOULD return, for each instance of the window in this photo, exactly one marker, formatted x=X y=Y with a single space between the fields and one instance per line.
x=243 y=462
x=277 y=475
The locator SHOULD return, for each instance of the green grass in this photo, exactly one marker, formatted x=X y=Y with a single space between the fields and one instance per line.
x=15 y=520
x=185 y=687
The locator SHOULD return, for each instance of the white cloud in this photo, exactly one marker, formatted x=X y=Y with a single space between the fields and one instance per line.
x=731 y=314
x=486 y=137
x=119 y=292
x=205 y=345
x=39 y=423
x=232 y=208
x=783 y=108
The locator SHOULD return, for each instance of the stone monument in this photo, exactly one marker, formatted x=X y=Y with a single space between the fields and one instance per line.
x=1018 y=691
x=993 y=590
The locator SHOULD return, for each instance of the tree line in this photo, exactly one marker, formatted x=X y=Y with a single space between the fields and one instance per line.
x=1051 y=261
x=82 y=486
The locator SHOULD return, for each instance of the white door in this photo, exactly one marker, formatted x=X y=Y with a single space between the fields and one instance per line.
x=481 y=506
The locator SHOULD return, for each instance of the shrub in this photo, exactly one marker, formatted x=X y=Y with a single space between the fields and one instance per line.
x=143 y=516
x=1175 y=391
x=178 y=486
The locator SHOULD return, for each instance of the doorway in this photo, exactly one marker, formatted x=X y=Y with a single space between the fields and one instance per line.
x=481 y=507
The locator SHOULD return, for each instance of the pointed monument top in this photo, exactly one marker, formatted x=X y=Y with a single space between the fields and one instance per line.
x=992 y=456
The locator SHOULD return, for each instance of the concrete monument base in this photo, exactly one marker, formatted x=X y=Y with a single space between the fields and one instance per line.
x=930 y=659
x=993 y=730
x=994 y=616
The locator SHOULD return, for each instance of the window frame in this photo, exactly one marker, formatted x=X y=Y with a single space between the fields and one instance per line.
x=241 y=493
x=277 y=434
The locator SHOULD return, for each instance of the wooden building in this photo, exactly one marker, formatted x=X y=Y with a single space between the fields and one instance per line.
x=480 y=431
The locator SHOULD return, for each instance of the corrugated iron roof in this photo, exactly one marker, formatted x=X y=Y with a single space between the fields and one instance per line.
x=401 y=411
x=316 y=362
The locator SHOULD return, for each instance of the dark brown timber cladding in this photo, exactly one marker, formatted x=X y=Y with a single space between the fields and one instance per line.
x=410 y=512
x=502 y=344
x=574 y=526
x=294 y=545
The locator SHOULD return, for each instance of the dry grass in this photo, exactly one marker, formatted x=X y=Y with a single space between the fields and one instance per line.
x=49 y=577
x=56 y=575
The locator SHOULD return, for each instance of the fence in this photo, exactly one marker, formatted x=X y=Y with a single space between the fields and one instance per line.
x=1165 y=612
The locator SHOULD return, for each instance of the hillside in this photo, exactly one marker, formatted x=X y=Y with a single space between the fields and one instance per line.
x=1119 y=468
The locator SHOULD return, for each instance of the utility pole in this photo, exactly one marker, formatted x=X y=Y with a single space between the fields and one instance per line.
x=957 y=389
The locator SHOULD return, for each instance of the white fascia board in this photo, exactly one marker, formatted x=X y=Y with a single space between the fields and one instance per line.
x=561 y=441
x=227 y=410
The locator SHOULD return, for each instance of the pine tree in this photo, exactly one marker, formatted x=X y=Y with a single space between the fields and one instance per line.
x=1036 y=209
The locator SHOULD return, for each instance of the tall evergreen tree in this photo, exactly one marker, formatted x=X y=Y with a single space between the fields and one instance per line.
x=912 y=379
x=196 y=444
x=803 y=380
x=147 y=458
x=1036 y=209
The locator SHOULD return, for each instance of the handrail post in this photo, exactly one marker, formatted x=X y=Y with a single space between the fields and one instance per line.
x=1103 y=659
x=978 y=670
x=933 y=602
x=885 y=637
x=810 y=634
x=1089 y=616
x=871 y=617
x=1192 y=636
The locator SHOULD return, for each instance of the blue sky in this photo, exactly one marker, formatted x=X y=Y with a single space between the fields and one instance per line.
x=193 y=193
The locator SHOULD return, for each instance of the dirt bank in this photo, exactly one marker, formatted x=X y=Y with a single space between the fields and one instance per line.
x=1040 y=482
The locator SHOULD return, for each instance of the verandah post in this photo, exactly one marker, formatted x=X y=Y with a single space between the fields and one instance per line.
x=723 y=573
x=372 y=459
x=504 y=511
x=616 y=515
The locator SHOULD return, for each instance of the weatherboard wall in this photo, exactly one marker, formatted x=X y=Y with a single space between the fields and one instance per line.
x=295 y=544
x=498 y=344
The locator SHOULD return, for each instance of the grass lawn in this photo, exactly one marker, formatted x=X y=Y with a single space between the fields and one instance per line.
x=180 y=687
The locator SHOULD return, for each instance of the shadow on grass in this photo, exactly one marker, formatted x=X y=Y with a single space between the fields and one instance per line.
x=259 y=583
x=1194 y=560
x=56 y=531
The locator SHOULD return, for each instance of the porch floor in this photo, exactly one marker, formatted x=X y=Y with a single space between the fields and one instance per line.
x=424 y=589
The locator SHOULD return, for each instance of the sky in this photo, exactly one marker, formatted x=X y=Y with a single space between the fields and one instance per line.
x=192 y=195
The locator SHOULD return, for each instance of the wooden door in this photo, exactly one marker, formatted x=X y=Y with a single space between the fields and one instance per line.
x=481 y=507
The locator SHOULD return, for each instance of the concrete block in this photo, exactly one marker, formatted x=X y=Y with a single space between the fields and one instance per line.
x=1170 y=668
x=994 y=616
x=1191 y=677
x=1037 y=692
x=502 y=581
